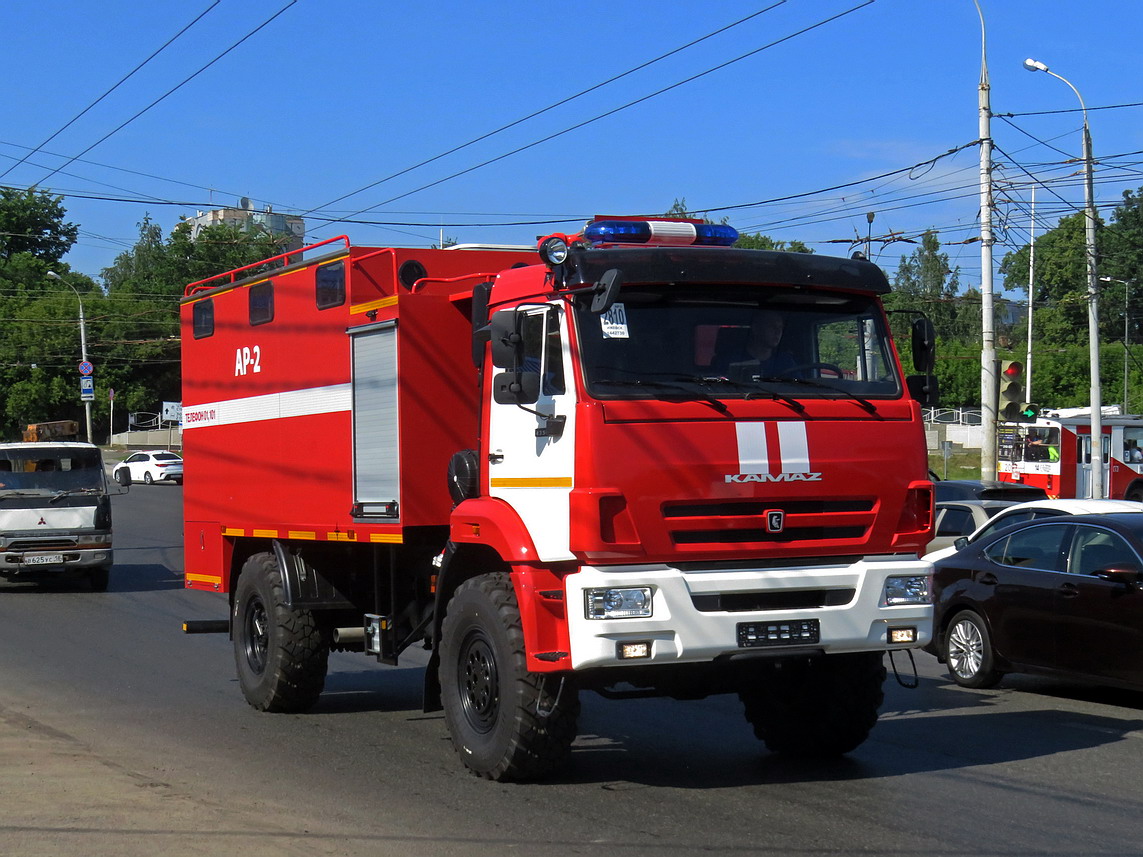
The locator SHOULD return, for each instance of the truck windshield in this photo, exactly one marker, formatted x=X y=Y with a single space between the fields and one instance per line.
x=50 y=470
x=735 y=342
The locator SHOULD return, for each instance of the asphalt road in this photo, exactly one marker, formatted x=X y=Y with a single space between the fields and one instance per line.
x=119 y=735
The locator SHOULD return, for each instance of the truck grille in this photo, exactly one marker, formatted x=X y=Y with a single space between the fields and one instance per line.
x=41 y=544
x=740 y=522
x=750 y=602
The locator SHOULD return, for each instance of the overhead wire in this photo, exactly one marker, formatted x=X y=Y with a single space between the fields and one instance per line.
x=613 y=111
x=170 y=91
x=547 y=109
x=119 y=83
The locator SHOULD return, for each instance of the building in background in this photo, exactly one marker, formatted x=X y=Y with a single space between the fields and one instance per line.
x=245 y=217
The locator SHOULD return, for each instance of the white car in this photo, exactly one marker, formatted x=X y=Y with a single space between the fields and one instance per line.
x=152 y=465
x=1033 y=510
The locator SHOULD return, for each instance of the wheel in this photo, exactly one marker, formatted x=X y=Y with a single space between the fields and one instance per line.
x=1135 y=494
x=99 y=577
x=281 y=653
x=122 y=476
x=968 y=652
x=147 y=480
x=505 y=722
x=822 y=707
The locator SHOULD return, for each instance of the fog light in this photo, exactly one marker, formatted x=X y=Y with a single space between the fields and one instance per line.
x=906 y=590
x=902 y=635
x=626 y=651
x=617 y=603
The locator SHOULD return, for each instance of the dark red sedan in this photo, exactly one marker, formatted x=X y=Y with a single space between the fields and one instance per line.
x=1062 y=596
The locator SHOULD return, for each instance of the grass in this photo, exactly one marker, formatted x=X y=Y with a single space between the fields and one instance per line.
x=961 y=464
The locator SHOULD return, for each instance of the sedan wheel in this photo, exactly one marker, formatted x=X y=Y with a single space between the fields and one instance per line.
x=968 y=652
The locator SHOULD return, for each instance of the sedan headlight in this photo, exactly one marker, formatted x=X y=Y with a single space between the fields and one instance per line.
x=914 y=589
x=618 y=603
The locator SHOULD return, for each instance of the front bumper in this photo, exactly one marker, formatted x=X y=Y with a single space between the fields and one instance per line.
x=701 y=615
x=51 y=561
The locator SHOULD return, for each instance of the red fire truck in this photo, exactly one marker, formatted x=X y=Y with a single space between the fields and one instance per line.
x=1054 y=453
x=565 y=470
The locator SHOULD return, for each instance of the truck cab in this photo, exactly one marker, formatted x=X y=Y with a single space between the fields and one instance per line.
x=55 y=513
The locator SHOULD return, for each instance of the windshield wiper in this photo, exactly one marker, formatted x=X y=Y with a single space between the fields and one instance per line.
x=686 y=394
x=865 y=403
x=752 y=389
x=67 y=492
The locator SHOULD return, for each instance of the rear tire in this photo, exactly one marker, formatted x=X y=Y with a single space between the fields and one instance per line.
x=819 y=708
x=505 y=722
x=281 y=653
x=147 y=480
x=968 y=652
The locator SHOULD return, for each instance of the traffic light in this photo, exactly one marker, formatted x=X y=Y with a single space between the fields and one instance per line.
x=1012 y=391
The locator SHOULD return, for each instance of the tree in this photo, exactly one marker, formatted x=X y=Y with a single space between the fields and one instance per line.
x=31 y=222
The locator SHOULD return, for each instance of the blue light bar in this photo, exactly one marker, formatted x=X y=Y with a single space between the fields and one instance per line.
x=669 y=232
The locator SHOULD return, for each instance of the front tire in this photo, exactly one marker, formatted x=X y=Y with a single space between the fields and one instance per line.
x=968 y=652
x=817 y=708
x=505 y=722
x=99 y=578
x=280 y=652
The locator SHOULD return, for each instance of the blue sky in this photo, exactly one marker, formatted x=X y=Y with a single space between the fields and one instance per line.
x=330 y=97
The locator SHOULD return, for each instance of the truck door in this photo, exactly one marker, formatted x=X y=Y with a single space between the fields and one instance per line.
x=531 y=447
x=376 y=473
x=1084 y=464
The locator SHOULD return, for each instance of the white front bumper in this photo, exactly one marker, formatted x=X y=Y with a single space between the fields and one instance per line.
x=680 y=633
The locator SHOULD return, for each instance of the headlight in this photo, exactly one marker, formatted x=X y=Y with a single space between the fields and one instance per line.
x=914 y=589
x=630 y=603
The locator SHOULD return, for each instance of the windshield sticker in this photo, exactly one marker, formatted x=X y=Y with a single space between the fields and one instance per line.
x=614 y=322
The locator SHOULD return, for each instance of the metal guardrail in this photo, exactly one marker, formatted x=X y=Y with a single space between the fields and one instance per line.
x=952 y=416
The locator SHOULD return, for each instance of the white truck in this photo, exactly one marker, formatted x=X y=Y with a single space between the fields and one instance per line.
x=55 y=513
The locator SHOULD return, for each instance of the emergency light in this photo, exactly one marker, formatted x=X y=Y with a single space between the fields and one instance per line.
x=659 y=232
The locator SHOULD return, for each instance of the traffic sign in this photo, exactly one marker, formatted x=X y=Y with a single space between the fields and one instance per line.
x=85 y=368
x=87 y=389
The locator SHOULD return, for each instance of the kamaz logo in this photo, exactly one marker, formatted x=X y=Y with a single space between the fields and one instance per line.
x=773 y=477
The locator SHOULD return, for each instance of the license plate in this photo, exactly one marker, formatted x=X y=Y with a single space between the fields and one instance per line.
x=44 y=559
x=790 y=632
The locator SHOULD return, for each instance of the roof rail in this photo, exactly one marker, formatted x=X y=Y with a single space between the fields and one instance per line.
x=201 y=285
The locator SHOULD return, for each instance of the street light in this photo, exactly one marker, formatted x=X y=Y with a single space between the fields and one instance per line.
x=1126 y=316
x=52 y=275
x=1096 y=482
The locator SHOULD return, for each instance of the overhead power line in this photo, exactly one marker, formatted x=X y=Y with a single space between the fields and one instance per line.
x=169 y=92
x=121 y=81
x=613 y=111
x=547 y=109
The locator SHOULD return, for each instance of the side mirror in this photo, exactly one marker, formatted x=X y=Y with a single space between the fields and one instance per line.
x=924 y=388
x=606 y=290
x=516 y=387
x=961 y=543
x=507 y=339
x=924 y=345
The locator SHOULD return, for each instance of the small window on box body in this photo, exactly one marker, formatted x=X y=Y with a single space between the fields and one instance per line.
x=203 y=318
x=261 y=296
x=329 y=285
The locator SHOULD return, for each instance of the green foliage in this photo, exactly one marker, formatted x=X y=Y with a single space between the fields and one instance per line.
x=31 y=222
x=131 y=323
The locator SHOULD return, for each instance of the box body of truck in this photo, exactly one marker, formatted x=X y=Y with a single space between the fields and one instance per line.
x=549 y=471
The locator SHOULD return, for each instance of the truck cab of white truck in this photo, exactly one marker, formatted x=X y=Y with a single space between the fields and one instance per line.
x=55 y=513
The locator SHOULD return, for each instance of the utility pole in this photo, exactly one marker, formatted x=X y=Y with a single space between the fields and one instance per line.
x=1031 y=287
x=82 y=341
x=988 y=381
x=1096 y=480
